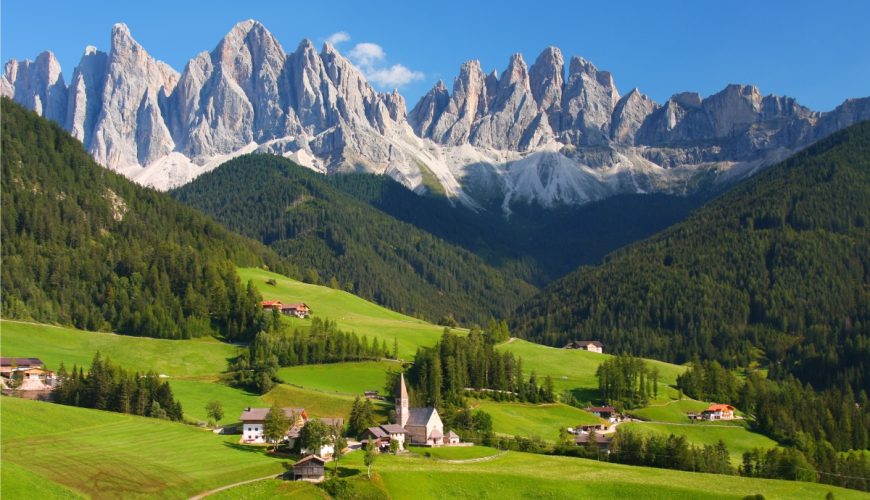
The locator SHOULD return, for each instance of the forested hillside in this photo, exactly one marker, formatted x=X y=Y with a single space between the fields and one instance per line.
x=86 y=247
x=337 y=240
x=775 y=270
x=539 y=244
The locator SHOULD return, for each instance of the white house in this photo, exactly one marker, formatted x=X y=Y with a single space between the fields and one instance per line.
x=328 y=448
x=586 y=345
x=253 y=419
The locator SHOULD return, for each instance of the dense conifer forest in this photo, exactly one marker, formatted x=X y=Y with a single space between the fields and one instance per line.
x=774 y=271
x=337 y=240
x=84 y=246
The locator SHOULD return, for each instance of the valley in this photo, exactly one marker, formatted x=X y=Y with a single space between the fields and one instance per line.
x=264 y=274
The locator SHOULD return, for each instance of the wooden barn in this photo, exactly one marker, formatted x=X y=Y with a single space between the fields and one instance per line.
x=309 y=468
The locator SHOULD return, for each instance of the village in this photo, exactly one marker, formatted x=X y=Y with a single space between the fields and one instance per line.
x=319 y=440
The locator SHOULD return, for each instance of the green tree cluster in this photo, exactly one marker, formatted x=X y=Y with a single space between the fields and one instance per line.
x=106 y=386
x=322 y=342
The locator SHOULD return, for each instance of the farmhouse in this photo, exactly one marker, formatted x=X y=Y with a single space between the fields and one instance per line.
x=718 y=412
x=586 y=345
x=328 y=448
x=10 y=365
x=605 y=412
x=601 y=440
x=300 y=310
x=253 y=419
x=29 y=374
x=382 y=435
x=309 y=468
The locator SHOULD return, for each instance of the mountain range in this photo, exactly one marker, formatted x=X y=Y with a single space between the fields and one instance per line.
x=533 y=134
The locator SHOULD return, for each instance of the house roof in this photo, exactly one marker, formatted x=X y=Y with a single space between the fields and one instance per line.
x=377 y=432
x=297 y=305
x=270 y=303
x=393 y=429
x=600 y=409
x=420 y=416
x=451 y=435
x=22 y=362
x=719 y=407
x=259 y=414
x=584 y=343
x=310 y=458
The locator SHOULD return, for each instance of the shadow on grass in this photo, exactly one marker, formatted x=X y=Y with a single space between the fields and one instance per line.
x=263 y=450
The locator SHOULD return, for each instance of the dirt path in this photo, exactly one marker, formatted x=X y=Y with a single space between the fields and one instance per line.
x=222 y=488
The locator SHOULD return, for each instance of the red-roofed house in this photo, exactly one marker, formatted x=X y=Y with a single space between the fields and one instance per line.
x=718 y=412
x=271 y=304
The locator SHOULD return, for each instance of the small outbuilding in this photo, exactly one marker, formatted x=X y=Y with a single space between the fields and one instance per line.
x=309 y=468
x=586 y=345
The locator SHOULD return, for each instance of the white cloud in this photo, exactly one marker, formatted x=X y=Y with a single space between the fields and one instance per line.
x=337 y=38
x=367 y=57
x=394 y=76
x=366 y=54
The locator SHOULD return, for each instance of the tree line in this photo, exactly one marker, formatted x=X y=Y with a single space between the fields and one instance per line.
x=626 y=382
x=323 y=342
x=106 y=386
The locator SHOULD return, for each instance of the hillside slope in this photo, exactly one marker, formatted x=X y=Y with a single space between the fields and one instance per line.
x=329 y=234
x=84 y=246
x=776 y=268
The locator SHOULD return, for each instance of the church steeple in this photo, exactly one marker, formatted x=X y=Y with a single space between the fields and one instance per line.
x=402 y=402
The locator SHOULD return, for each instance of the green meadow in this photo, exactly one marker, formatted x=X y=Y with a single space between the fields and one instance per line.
x=199 y=358
x=574 y=370
x=455 y=452
x=345 y=378
x=524 y=419
x=523 y=475
x=317 y=403
x=737 y=438
x=110 y=455
x=350 y=312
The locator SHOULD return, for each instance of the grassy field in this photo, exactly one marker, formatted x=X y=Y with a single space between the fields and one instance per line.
x=109 y=455
x=521 y=475
x=574 y=370
x=272 y=488
x=456 y=452
x=523 y=419
x=200 y=358
x=349 y=311
x=736 y=437
x=195 y=394
x=318 y=404
x=672 y=411
x=346 y=378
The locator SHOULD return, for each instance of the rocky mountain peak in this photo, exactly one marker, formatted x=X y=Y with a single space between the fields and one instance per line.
x=37 y=84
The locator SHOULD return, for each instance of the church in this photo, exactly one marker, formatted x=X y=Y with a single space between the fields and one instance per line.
x=422 y=426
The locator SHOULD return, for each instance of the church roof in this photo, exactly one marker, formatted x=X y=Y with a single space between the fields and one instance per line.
x=419 y=416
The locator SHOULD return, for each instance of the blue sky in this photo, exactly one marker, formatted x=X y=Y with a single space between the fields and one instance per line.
x=818 y=52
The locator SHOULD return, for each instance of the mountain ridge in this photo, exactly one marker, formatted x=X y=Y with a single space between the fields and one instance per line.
x=544 y=134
